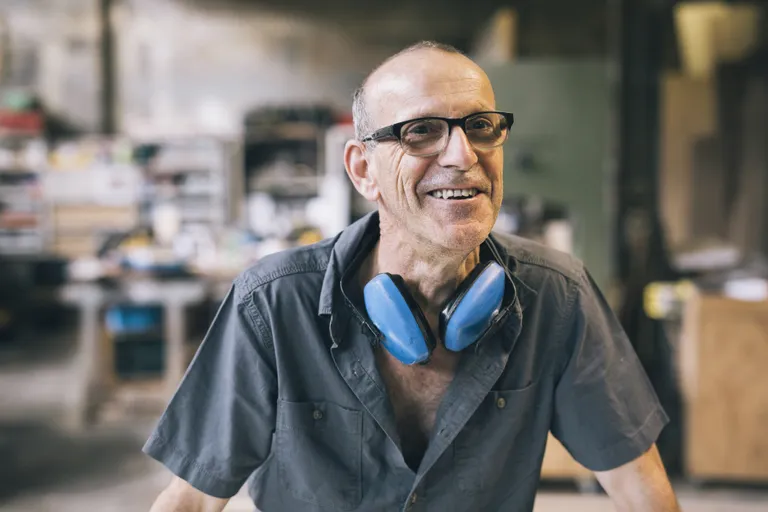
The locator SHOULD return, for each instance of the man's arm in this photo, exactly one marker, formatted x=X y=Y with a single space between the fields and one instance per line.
x=640 y=486
x=217 y=428
x=179 y=496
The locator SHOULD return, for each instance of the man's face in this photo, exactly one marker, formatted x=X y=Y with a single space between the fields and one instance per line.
x=433 y=83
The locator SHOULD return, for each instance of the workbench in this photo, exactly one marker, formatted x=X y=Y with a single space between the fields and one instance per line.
x=91 y=367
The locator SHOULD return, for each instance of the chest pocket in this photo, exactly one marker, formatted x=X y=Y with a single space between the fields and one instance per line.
x=500 y=441
x=319 y=452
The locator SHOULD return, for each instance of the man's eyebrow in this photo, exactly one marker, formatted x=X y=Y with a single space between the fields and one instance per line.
x=432 y=113
x=428 y=113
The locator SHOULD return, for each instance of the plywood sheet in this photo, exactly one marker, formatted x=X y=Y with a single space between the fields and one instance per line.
x=688 y=113
x=749 y=222
x=708 y=202
x=724 y=357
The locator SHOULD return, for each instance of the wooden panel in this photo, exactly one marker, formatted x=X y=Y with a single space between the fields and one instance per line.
x=724 y=356
x=709 y=32
x=79 y=218
x=708 y=201
x=749 y=223
x=558 y=463
x=688 y=112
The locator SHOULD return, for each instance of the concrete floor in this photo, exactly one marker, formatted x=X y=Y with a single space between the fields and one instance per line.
x=45 y=468
x=109 y=475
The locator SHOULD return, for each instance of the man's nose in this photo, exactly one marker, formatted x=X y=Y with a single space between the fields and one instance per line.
x=458 y=152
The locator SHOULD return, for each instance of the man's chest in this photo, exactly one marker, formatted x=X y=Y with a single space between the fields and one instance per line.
x=449 y=431
x=415 y=394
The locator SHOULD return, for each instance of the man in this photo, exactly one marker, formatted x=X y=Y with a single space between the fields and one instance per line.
x=304 y=382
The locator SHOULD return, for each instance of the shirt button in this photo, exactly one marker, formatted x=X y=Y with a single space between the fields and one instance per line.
x=318 y=415
x=501 y=403
x=414 y=497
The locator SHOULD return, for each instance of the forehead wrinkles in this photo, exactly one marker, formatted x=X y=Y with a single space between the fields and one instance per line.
x=398 y=92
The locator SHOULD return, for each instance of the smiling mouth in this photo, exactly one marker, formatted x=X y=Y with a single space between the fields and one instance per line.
x=455 y=194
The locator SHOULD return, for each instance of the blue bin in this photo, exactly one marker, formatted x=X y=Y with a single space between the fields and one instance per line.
x=133 y=319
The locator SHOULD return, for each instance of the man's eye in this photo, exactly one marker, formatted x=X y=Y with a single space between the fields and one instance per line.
x=481 y=124
x=422 y=129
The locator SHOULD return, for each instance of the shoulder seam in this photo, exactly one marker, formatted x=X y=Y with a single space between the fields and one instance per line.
x=520 y=253
x=566 y=320
x=536 y=262
x=257 y=321
x=253 y=283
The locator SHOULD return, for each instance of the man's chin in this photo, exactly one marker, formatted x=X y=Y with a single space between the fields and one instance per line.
x=464 y=236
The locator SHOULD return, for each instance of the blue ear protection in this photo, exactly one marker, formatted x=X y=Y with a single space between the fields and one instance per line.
x=464 y=318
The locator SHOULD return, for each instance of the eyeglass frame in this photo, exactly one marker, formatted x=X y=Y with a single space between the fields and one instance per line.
x=393 y=131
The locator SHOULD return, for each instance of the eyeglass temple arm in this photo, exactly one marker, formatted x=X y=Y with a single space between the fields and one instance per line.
x=386 y=132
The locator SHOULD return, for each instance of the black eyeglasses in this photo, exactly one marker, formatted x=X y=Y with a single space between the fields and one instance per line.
x=428 y=136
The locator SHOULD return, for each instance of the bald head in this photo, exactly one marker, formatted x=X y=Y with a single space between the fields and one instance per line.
x=408 y=70
x=408 y=164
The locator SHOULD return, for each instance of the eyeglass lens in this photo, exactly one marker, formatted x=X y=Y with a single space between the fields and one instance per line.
x=430 y=136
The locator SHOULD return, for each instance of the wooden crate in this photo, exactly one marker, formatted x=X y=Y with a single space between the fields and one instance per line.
x=724 y=371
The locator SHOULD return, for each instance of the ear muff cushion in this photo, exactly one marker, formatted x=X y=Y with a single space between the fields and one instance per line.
x=401 y=322
x=476 y=303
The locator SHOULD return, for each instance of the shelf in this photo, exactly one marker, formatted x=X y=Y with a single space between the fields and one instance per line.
x=18 y=171
x=285 y=181
x=15 y=189
x=31 y=245
x=19 y=178
x=283 y=132
x=32 y=223
x=15 y=231
x=180 y=171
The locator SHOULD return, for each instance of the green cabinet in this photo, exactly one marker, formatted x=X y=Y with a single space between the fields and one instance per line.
x=561 y=148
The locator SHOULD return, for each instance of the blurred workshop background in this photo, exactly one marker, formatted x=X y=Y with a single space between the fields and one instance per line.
x=152 y=149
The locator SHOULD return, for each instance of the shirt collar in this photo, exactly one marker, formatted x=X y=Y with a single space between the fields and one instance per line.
x=359 y=237
x=348 y=246
x=524 y=293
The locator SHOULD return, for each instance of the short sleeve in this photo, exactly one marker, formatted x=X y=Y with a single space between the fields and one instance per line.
x=217 y=429
x=606 y=411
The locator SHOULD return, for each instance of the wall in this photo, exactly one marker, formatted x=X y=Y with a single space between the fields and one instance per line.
x=53 y=50
x=180 y=69
x=195 y=70
x=198 y=65
x=560 y=148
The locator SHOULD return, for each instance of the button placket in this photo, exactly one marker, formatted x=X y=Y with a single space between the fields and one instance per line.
x=411 y=501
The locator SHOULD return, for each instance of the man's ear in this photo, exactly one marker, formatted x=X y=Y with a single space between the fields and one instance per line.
x=359 y=171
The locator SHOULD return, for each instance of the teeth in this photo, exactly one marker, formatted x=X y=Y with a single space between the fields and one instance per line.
x=450 y=193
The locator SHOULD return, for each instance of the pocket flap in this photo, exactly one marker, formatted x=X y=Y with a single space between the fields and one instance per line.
x=318 y=415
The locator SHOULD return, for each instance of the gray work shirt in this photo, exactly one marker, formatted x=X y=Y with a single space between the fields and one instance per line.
x=285 y=390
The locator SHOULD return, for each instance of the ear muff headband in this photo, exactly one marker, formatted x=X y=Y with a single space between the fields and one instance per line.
x=405 y=330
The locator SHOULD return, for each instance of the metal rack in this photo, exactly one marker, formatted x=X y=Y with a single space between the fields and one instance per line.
x=283 y=158
x=192 y=174
x=23 y=214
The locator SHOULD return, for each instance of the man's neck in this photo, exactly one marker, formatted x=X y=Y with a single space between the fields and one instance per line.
x=431 y=275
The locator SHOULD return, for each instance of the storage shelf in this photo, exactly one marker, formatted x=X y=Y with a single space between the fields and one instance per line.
x=283 y=132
